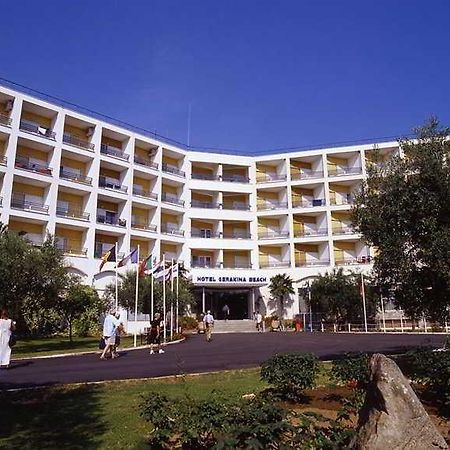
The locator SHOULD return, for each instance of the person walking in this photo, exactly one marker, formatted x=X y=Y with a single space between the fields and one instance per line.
x=110 y=324
x=7 y=326
x=259 y=321
x=208 y=320
x=119 y=331
x=154 y=337
x=225 y=311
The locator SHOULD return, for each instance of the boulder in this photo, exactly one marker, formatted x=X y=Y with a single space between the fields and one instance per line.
x=393 y=417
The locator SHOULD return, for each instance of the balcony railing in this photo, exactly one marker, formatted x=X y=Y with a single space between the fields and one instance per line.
x=71 y=212
x=18 y=202
x=270 y=177
x=172 y=231
x=205 y=205
x=230 y=178
x=204 y=176
x=304 y=203
x=342 y=201
x=311 y=232
x=111 y=220
x=5 y=120
x=77 y=142
x=34 y=128
x=205 y=265
x=172 y=170
x=170 y=198
x=207 y=234
x=313 y=263
x=244 y=265
x=273 y=264
x=71 y=248
x=145 y=162
x=111 y=183
x=114 y=152
x=242 y=235
x=343 y=229
x=306 y=174
x=144 y=193
x=76 y=177
x=350 y=261
x=340 y=171
x=25 y=164
x=142 y=225
x=273 y=234
x=272 y=205
x=236 y=205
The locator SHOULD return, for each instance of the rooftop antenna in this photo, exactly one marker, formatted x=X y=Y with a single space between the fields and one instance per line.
x=189 y=126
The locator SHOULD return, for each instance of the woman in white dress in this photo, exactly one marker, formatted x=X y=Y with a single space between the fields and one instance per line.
x=6 y=327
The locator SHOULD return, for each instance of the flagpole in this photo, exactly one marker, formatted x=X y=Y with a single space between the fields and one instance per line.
x=178 y=276
x=171 y=300
x=117 y=280
x=136 y=301
x=151 y=291
x=363 y=293
x=164 y=296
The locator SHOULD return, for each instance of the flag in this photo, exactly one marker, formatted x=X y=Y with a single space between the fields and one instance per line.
x=110 y=255
x=161 y=272
x=132 y=256
x=175 y=269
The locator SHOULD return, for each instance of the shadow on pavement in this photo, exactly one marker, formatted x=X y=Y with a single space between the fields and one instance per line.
x=52 y=418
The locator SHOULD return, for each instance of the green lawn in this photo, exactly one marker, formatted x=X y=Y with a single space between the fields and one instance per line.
x=60 y=344
x=104 y=416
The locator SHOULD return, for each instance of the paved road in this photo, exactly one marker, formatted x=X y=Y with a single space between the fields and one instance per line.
x=226 y=351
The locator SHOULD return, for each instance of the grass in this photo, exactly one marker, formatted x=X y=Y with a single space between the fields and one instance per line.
x=104 y=416
x=60 y=344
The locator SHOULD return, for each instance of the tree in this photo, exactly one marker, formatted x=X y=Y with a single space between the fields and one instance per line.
x=338 y=296
x=75 y=301
x=280 y=286
x=403 y=210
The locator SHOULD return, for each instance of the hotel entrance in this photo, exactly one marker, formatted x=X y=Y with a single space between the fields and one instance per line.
x=238 y=300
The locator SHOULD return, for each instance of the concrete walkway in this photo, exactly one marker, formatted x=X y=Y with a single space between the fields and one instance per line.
x=195 y=355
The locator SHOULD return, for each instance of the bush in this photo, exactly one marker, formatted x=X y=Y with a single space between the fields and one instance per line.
x=188 y=323
x=353 y=369
x=291 y=373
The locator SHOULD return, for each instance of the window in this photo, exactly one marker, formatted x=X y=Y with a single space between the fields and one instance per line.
x=201 y=261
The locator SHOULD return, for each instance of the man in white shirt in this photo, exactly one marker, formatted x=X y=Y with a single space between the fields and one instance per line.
x=110 y=325
x=208 y=320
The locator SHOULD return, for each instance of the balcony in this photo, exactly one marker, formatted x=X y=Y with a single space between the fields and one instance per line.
x=140 y=224
x=25 y=164
x=71 y=213
x=145 y=162
x=236 y=205
x=207 y=234
x=71 y=248
x=205 y=205
x=34 y=128
x=311 y=232
x=114 y=152
x=237 y=235
x=350 y=261
x=75 y=177
x=304 y=203
x=235 y=179
x=348 y=200
x=140 y=192
x=307 y=175
x=18 y=202
x=274 y=264
x=273 y=235
x=244 y=265
x=5 y=120
x=342 y=229
x=167 y=168
x=270 y=178
x=171 y=198
x=272 y=205
x=341 y=171
x=109 y=219
x=77 y=142
x=313 y=263
x=172 y=231
x=204 y=176
x=111 y=183
x=205 y=265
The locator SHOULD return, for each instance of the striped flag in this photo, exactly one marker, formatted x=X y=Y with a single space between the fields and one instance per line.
x=132 y=256
x=110 y=255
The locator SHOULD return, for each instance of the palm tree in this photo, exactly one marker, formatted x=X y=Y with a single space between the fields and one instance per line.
x=281 y=286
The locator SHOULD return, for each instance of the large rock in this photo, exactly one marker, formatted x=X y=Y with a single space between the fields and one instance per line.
x=392 y=417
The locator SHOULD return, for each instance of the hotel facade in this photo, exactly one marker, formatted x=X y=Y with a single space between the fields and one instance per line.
x=233 y=221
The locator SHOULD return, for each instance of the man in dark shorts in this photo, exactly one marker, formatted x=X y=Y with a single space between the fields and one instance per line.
x=154 y=338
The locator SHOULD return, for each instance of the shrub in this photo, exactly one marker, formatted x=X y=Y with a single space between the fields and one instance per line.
x=353 y=369
x=291 y=373
x=188 y=323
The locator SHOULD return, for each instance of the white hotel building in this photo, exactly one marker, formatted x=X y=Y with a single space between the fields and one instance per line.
x=234 y=221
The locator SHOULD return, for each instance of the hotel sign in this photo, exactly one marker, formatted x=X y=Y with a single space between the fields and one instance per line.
x=230 y=279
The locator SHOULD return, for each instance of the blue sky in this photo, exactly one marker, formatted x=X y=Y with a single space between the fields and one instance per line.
x=258 y=74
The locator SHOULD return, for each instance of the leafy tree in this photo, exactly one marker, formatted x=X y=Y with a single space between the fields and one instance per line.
x=403 y=210
x=338 y=296
x=281 y=285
